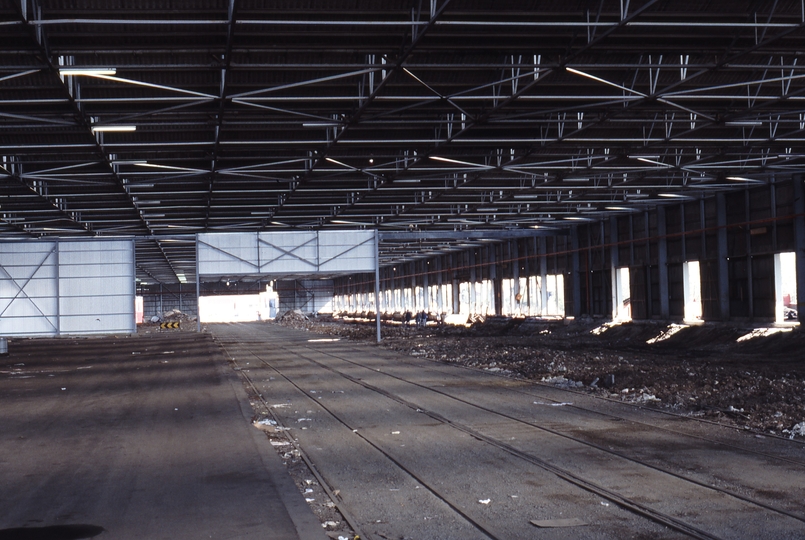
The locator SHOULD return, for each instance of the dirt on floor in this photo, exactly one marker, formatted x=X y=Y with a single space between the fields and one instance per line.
x=748 y=377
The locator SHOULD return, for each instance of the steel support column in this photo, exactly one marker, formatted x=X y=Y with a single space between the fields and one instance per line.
x=575 y=271
x=662 y=262
x=723 y=267
x=799 y=239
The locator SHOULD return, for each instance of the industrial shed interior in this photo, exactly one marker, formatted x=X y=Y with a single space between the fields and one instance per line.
x=604 y=198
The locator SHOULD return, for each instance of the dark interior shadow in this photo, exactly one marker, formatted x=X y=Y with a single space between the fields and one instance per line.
x=54 y=532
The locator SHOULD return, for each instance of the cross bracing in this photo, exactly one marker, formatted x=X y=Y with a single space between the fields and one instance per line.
x=159 y=120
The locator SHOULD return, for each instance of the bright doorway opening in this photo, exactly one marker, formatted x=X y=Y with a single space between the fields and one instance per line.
x=785 y=285
x=622 y=296
x=692 y=283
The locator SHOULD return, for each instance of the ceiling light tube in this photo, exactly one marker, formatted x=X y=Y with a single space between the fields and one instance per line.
x=745 y=180
x=88 y=72
x=747 y=123
x=96 y=129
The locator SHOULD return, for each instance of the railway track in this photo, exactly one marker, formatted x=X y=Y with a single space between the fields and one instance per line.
x=317 y=356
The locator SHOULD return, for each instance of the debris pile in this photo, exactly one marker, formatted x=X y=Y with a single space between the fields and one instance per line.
x=700 y=371
x=293 y=318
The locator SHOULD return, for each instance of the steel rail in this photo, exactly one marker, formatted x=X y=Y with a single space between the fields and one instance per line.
x=641 y=509
x=633 y=506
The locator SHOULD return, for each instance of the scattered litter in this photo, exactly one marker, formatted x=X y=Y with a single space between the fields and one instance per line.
x=733 y=409
x=309 y=500
x=798 y=429
x=395 y=432
x=604 y=503
x=279 y=443
x=514 y=496
x=304 y=420
x=64 y=389
x=625 y=391
x=266 y=422
x=176 y=409
x=279 y=405
x=168 y=352
x=557 y=523
x=329 y=524
x=136 y=352
x=560 y=404
x=485 y=501
x=308 y=490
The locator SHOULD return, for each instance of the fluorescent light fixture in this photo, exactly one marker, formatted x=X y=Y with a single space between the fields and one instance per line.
x=147 y=202
x=739 y=123
x=278 y=223
x=320 y=124
x=331 y=160
x=636 y=195
x=576 y=179
x=182 y=278
x=578 y=218
x=88 y=72
x=674 y=196
x=457 y=162
x=261 y=213
x=488 y=209
x=742 y=179
x=169 y=167
x=618 y=208
x=96 y=129
x=407 y=181
x=653 y=162
x=644 y=157
x=524 y=196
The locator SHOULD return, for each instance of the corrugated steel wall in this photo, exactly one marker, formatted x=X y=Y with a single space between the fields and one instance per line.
x=53 y=288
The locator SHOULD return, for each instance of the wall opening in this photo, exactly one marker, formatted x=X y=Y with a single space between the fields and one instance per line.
x=238 y=307
x=623 y=298
x=785 y=285
x=692 y=283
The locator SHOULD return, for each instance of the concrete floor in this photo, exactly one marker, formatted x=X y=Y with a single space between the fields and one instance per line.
x=419 y=449
x=151 y=437
x=148 y=437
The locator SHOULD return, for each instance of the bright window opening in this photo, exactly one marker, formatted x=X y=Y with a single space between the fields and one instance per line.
x=692 y=284
x=623 y=303
x=785 y=284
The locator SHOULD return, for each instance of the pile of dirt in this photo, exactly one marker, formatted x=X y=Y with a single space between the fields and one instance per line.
x=702 y=371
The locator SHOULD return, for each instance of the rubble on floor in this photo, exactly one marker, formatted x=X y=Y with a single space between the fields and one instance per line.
x=700 y=370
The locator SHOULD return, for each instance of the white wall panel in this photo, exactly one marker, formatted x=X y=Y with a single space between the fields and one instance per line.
x=29 y=288
x=346 y=251
x=287 y=253
x=51 y=288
